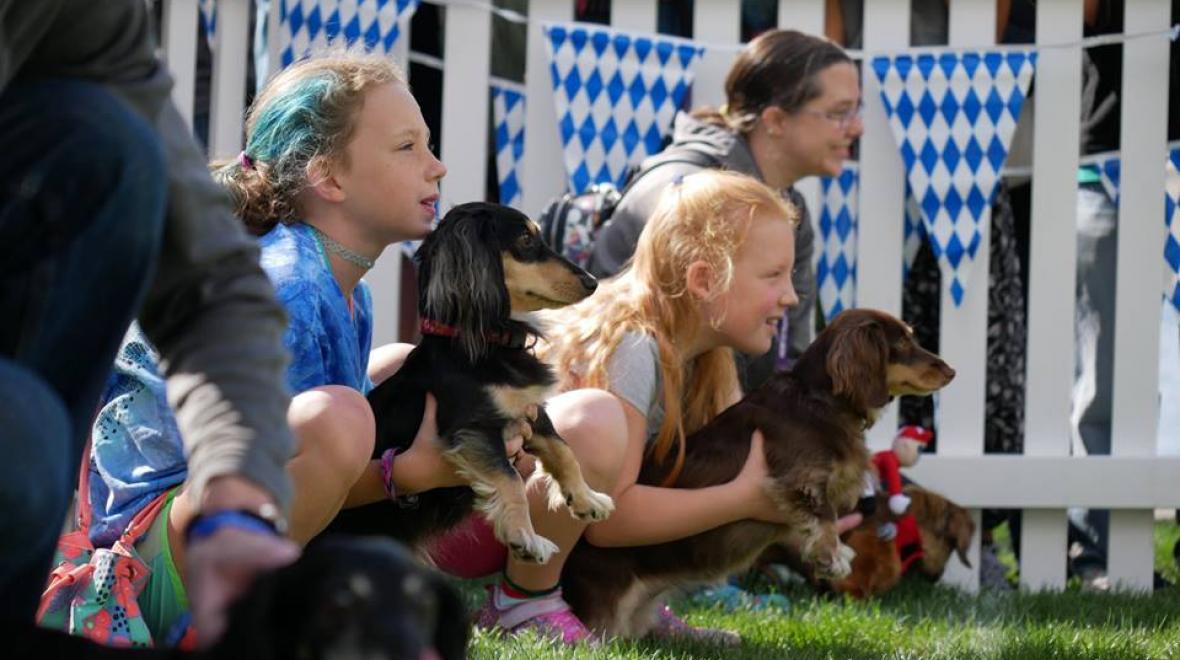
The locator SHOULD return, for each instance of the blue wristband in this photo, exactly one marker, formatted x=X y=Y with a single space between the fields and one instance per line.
x=207 y=525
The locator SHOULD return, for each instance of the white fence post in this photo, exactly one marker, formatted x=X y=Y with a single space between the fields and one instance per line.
x=714 y=22
x=543 y=167
x=180 y=51
x=465 y=92
x=803 y=15
x=882 y=188
x=274 y=51
x=1135 y=407
x=635 y=15
x=227 y=100
x=1053 y=255
x=963 y=332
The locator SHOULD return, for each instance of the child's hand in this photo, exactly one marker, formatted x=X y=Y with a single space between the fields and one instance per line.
x=753 y=481
x=423 y=466
x=221 y=567
x=754 y=476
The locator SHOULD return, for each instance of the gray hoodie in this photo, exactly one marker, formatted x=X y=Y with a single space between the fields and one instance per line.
x=210 y=308
x=697 y=145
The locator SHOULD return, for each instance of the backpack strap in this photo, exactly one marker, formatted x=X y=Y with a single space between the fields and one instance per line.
x=143 y=520
x=82 y=500
x=669 y=156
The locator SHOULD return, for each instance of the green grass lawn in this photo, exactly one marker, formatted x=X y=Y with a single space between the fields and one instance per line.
x=917 y=620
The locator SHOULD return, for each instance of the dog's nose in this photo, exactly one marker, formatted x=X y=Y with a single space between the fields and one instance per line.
x=947 y=371
x=588 y=282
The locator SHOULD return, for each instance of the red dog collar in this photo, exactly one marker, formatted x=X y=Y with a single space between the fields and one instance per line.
x=507 y=339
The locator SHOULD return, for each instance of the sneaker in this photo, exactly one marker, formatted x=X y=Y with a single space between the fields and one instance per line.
x=1095 y=579
x=671 y=627
x=549 y=616
x=993 y=574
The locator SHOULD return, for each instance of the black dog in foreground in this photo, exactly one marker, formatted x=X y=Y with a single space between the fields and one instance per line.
x=479 y=270
x=347 y=598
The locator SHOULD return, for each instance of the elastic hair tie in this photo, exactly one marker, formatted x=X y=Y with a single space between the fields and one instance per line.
x=245 y=161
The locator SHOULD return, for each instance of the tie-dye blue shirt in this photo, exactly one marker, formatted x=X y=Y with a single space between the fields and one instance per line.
x=137 y=452
x=329 y=345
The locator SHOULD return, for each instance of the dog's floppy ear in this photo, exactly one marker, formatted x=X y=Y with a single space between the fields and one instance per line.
x=959 y=529
x=857 y=362
x=461 y=278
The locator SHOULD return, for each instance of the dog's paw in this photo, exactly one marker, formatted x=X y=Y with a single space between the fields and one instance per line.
x=836 y=564
x=530 y=547
x=847 y=553
x=590 y=505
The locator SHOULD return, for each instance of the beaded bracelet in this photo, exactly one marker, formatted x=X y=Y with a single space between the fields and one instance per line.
x=387 y=480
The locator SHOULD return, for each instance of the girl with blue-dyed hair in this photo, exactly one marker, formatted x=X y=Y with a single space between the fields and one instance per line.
x=337 y=167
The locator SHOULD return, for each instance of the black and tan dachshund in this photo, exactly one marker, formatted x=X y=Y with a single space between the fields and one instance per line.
x=813 y=419
x=479 y=271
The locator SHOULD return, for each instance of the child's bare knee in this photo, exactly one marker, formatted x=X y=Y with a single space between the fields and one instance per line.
x=592 y=422
x=336 y=424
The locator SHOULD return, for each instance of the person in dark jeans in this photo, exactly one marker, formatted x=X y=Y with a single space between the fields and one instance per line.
x=107 y=212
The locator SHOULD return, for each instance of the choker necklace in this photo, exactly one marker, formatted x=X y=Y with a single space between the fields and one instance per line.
x=344 y=253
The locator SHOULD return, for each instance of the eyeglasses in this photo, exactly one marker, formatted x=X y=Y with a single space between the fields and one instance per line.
x=841 y=118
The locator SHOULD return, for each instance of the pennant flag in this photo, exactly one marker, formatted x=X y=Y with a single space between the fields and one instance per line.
x=508 y=119
x=209 y=16
x=1108 y=168
x=953 y=114
x=308 y=24
x=835 y=261
x=615 y=96
x=1172 y=242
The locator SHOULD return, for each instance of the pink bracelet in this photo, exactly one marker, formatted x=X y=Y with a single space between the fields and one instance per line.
x=387 y=472
x=403 y=501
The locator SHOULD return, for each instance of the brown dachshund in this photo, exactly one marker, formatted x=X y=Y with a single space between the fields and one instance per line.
x=813 y=419
x=944 y=528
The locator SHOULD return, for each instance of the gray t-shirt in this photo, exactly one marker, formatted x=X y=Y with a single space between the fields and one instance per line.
x=634 y=376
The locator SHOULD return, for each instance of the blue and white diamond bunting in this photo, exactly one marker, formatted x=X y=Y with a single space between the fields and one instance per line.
x=1172 y=218
x=209 y=16
x=953 y=114
x=305 y=25
x=835 y=260
x=508 y=106
x=1108 y=170
x=1108 y=165
x=615 y=95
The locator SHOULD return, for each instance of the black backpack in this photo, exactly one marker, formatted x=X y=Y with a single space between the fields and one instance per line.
x=570 y=223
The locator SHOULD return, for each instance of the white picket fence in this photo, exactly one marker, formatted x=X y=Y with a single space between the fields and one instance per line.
x=1045 y=480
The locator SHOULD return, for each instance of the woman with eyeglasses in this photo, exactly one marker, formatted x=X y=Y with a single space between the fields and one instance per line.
x=792 y=110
